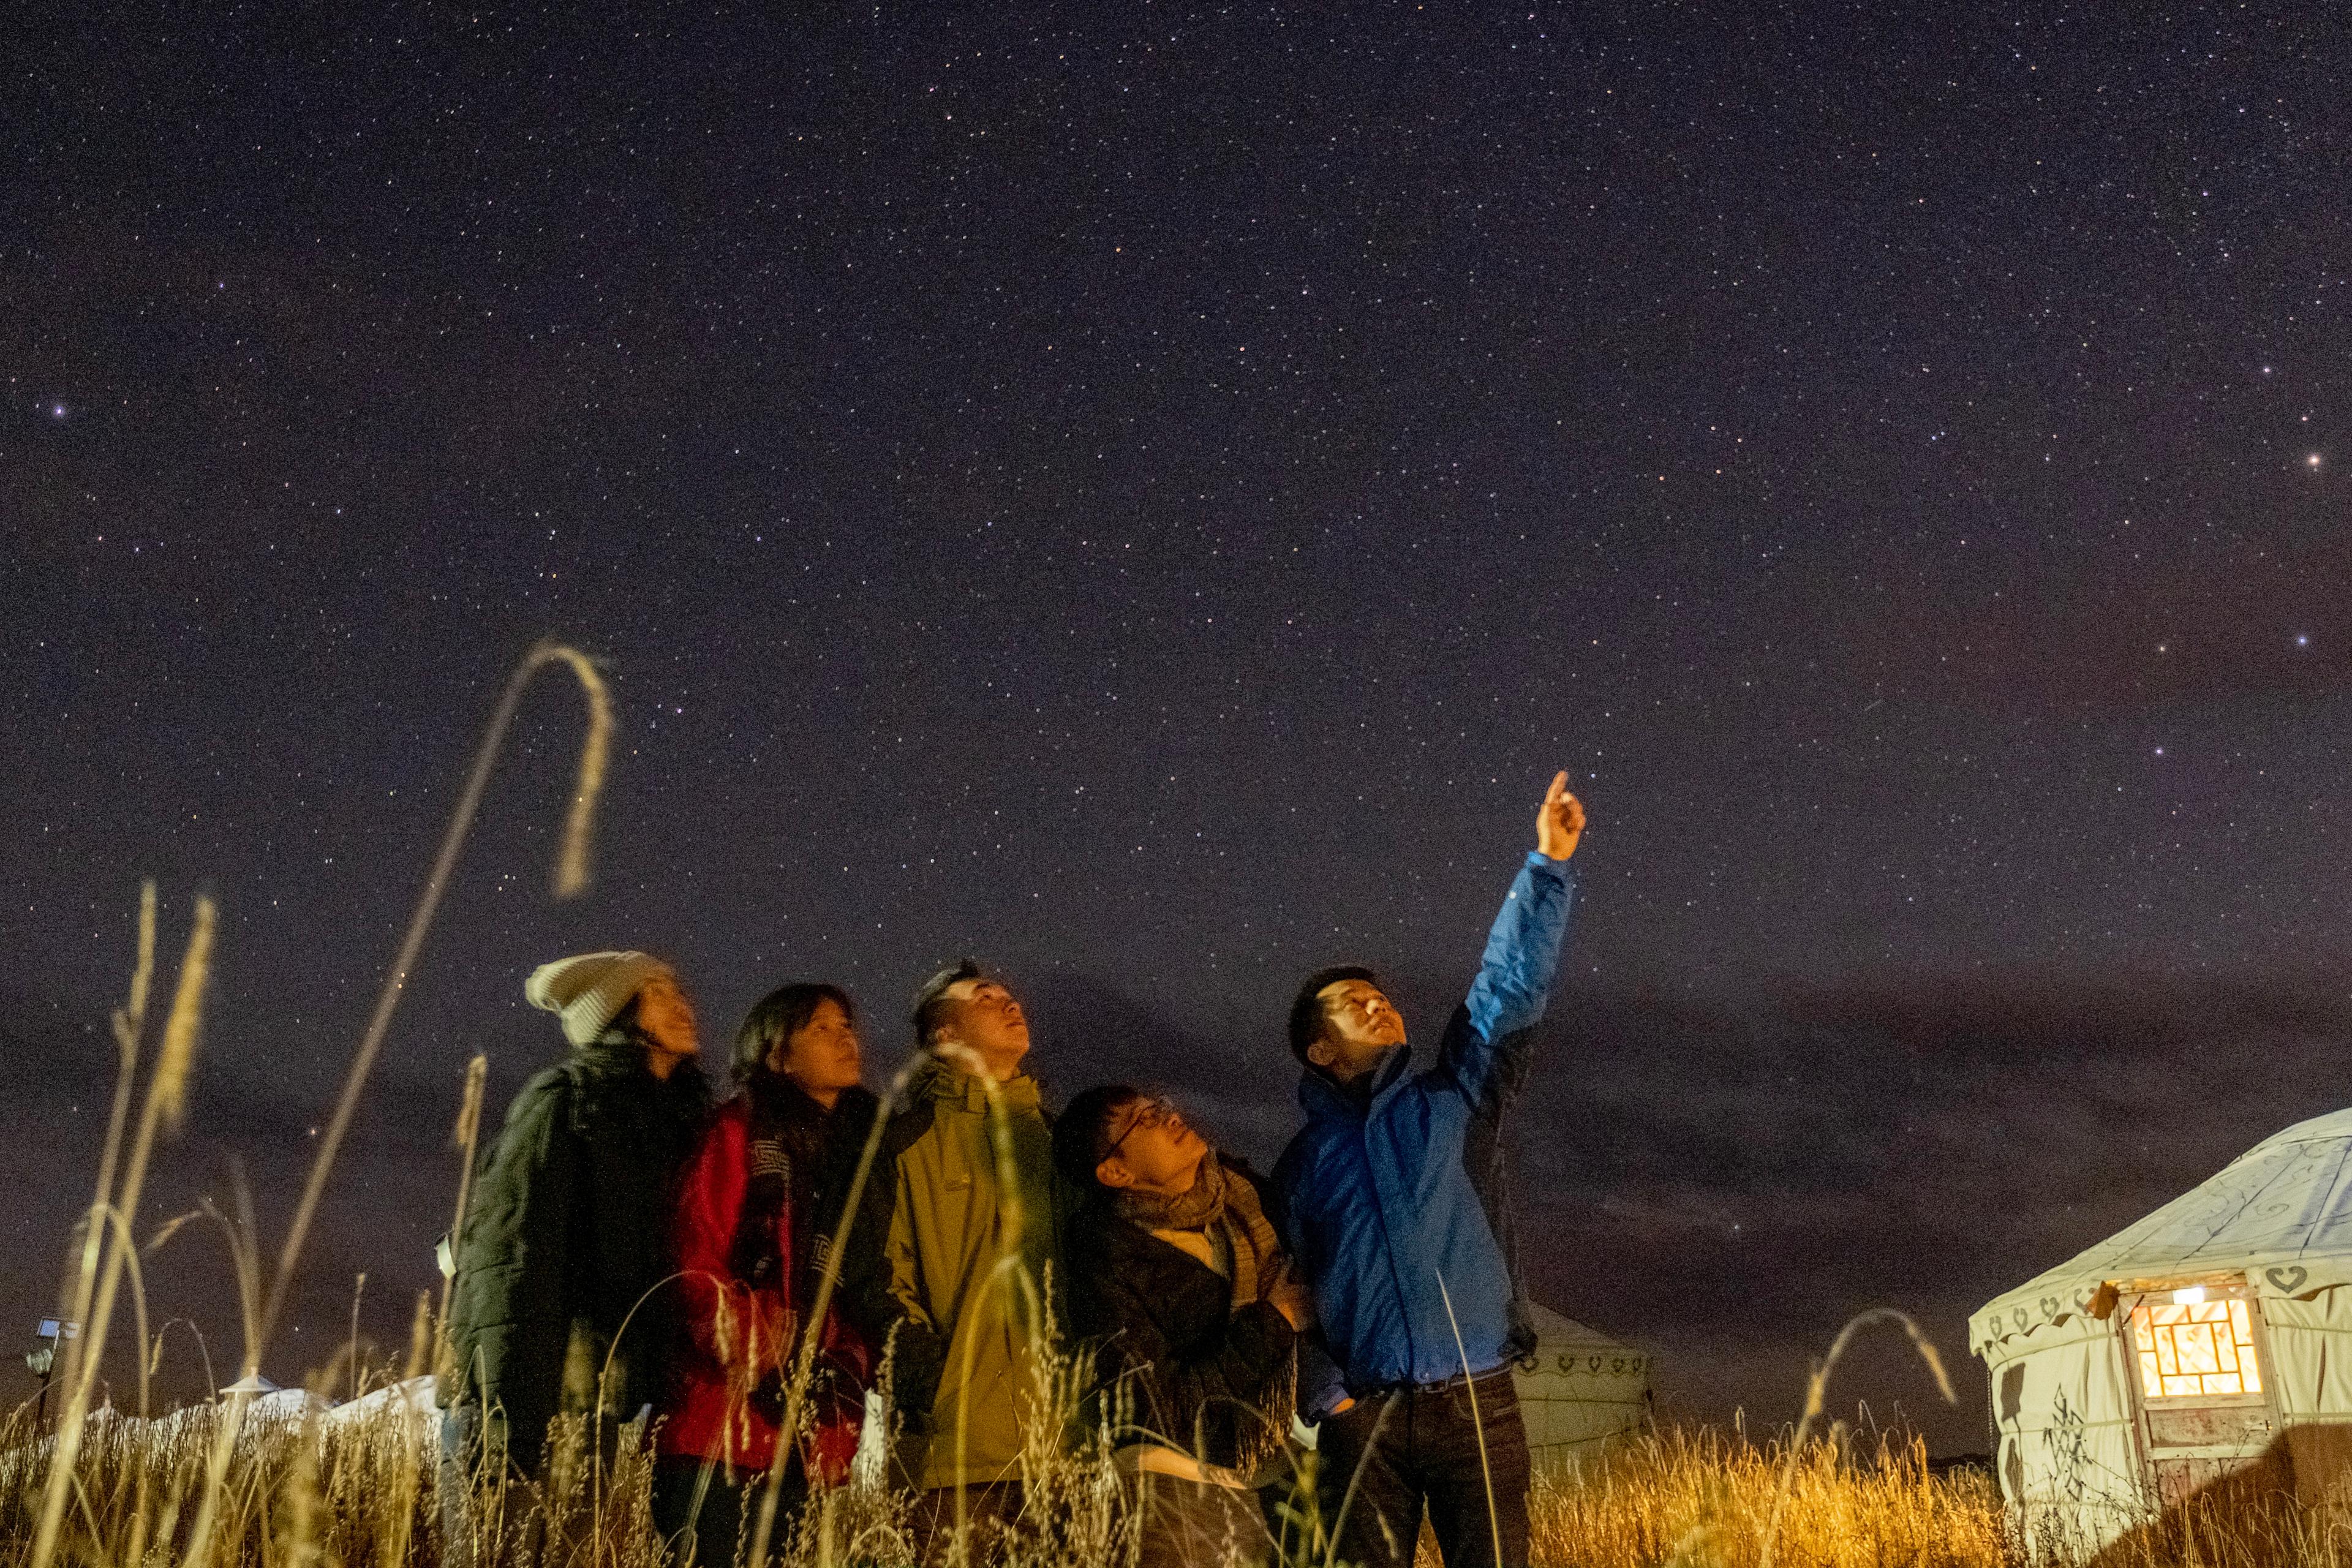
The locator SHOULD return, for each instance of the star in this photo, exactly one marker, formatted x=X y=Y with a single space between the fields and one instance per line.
x=2312 y=461
x=58 y=411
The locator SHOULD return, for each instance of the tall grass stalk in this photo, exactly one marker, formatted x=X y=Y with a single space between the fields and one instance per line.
x=179 y=1032
x=465 y=1137
x=1816 y=1396
x=167 y=1092
x=130 y=1024
x=1470 y=1385
x=803 y=1370
x=1008 y=1275
x=571 y=878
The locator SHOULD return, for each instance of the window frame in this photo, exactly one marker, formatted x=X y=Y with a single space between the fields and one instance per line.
x=2231 y=1288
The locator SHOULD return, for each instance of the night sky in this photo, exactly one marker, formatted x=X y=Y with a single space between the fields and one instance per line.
x=1149 y=494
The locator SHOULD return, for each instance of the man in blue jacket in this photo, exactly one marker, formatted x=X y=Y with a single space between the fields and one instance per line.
x=1391 y=1198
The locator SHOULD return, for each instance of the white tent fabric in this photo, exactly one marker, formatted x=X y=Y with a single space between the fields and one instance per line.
x=2277 y=1219
x=1586 y=1391
x=413 y=1398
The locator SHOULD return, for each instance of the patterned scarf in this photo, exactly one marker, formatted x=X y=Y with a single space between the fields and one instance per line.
x=788 y=1134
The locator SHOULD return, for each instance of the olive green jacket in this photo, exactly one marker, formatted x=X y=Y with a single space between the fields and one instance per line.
x=964 y=1271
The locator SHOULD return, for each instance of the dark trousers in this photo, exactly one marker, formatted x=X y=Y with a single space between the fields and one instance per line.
x=1425 y=1456
x=707 y=1522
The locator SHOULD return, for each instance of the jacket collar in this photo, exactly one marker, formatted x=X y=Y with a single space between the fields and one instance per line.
x=1325 y=1098
x=943 y=1080
x=777 y=1099
x=611 y=1064
x=782 y=1099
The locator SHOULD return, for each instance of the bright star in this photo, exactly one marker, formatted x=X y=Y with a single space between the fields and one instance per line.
x=2301 y=640
x=58 y=411
x=2312 y=461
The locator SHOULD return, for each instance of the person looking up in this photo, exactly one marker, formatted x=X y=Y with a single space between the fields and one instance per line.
x=758 y=1213
x=1178 y=1278
x=566 y=1235
x=968 y=1332
x=1392 y=1198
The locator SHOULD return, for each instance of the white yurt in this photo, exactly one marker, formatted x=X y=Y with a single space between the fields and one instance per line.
x=1586 y=1391
x=412 y=1399
x=2183 y=1349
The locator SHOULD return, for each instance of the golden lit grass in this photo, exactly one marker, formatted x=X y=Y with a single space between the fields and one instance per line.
x=1700 y=1497
x=317 y=1491
x=297 y=1495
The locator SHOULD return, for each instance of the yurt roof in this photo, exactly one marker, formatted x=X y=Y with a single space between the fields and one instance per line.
x=1561 y=1340
x=2281 y=1213
x=1558 y=1327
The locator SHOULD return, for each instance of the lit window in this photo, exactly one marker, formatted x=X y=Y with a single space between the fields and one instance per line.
x=2193 y=1348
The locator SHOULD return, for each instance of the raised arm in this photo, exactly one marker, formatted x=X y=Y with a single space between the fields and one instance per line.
x=1487 y=1043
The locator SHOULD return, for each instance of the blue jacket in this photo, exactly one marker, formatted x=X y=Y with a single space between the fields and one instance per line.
x=1379 y=1196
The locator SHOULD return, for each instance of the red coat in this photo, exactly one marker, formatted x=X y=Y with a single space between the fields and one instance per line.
x=737 y=1333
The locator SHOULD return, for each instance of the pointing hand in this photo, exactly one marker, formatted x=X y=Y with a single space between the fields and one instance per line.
x=1559 y=821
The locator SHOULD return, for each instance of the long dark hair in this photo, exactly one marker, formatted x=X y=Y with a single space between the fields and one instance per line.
x=776 y=1017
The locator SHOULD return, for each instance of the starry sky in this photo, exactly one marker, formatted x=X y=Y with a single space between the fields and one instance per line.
x=1149 y=494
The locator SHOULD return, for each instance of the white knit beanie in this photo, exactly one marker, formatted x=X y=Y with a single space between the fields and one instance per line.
x=589 y=989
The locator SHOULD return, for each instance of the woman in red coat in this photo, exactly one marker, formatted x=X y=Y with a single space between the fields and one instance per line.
x=757 y=1208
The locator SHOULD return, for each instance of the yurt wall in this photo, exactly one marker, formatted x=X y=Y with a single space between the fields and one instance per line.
x=2311 y=1353
x=2067 y=1458
x=1585 y=1393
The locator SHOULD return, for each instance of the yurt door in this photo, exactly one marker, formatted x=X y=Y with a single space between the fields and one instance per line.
x=2204 y=1401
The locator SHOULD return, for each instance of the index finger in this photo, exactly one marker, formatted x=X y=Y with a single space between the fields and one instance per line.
x=1558 y=791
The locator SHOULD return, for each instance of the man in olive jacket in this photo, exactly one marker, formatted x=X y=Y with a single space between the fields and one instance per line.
x=967 y=1331
x=567 y=1231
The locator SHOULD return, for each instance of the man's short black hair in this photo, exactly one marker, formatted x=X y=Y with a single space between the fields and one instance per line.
x=1082 y=1132
x=1306 y=1007
x=931 y=1002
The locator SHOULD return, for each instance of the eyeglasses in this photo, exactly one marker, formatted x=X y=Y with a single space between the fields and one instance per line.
x=1155 y=1112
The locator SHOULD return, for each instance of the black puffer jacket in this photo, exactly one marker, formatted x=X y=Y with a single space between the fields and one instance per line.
x=567 y=1230
x=1201 y=1376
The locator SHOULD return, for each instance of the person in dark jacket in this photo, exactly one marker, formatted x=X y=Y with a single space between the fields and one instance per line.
x=566 y=1236
x=1178 y=1280
x=1392 y=1199
x=759 y=1214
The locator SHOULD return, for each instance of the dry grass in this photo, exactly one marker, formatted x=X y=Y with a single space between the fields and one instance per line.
x=317 y=1491
x=299 y=1493
x=1700 y=1497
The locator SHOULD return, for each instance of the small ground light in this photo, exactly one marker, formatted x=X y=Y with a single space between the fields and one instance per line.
x=42 y=1359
